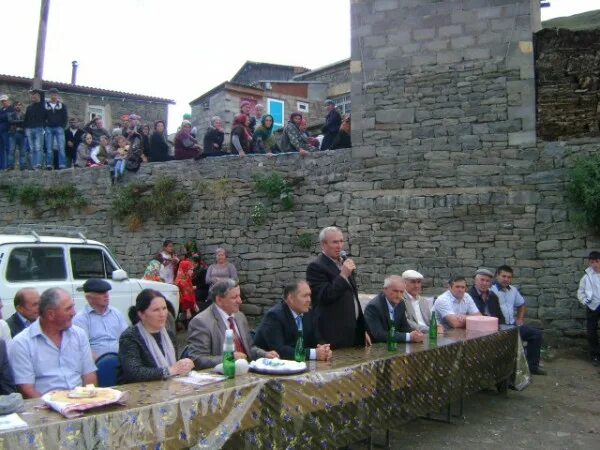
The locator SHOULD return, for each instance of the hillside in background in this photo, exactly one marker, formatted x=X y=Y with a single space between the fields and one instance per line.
x=584 y=21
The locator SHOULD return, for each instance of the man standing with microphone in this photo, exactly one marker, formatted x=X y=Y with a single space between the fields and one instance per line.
x=337 y=312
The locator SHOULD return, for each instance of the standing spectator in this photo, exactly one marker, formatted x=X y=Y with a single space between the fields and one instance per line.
x=245 y=108
x=263 y=140
x=259 y=111
x=159 y=148
x=186 y=145
x=343 y=138
x=589 y=296
x=333 y=121
x=35 y=120
x=56 y=122
x=73 y=137
x=145 y=133
x=120 y=156
x=292 y=139
x=5 y=110
x=199 y=280
x=131 y=127
x=241 y=135
x=169 y=261
x=187 y=295
x=96 y=128
x=16 y=138
x=152 y=271
x=84 y=150
x=214 y=137
x=221 y=269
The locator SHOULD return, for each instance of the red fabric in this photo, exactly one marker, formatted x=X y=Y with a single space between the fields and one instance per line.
x=237 y=341
x=187 y=296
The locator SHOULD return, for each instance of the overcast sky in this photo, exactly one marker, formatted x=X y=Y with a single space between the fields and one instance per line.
x=180 y=49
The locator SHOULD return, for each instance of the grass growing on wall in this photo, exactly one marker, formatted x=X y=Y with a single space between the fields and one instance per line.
x=583 y=192
x=137 y=202
x=38 y=198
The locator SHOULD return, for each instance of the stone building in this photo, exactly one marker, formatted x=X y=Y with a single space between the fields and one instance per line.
x=281 y=89
x=88 y=102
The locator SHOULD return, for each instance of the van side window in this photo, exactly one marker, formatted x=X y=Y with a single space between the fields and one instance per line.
x=88 y=263
x=36 y=264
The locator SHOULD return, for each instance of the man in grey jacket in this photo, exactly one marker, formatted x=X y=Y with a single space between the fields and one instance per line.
x=589 y=296
x=207 y=329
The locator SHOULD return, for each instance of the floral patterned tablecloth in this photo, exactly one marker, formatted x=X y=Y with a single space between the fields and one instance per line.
x=332 y=404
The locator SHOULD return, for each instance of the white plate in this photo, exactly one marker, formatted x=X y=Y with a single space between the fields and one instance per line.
x=277 y=366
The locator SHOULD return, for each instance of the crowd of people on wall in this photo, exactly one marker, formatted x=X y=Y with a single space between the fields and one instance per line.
x=45 y=136
x=47 y=345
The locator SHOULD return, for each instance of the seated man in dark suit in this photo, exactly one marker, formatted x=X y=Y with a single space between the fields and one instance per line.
x=389 y=306
x=27 y=307
x=206 y=331
x=337 y=311
x=485 y=299
x=281 y=324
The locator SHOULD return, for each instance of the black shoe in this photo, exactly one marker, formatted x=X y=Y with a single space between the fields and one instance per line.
x=538 y=371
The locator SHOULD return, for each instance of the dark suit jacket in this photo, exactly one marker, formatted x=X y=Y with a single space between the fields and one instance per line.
x=278 y=331
x=136 y=363
x=378 y=319
x=334 y=301
x=493 y=304
x=15 y=324
x=7 y=383
x=206 y=333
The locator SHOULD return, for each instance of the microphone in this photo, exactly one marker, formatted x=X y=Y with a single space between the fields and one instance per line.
x=343 y=255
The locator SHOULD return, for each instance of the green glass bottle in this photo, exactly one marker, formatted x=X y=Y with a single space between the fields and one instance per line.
x=299 y=350
x=391 y=341
x=228 y=357
x=433 y=327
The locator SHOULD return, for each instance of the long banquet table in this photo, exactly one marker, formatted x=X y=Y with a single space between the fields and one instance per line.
x=331 y=405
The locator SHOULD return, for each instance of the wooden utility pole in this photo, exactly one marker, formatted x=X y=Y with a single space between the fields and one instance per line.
x=41 y=44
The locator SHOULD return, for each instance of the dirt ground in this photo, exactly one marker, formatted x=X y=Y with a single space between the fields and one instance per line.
x=557 y=411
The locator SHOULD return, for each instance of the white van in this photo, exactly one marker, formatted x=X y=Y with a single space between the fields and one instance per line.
x=42 y=262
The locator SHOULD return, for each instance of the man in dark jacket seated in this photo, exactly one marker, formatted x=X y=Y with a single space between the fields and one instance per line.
x=281 y=325
x=486 y=300
x=388 y=306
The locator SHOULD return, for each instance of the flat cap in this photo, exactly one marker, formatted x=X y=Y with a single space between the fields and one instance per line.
x=412 y=275
x=53 y=90
x=484 y=271
x=96 y=285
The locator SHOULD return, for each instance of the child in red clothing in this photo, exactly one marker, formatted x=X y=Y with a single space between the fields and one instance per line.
x=187 y=293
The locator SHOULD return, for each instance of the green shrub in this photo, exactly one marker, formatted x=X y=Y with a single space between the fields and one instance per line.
x=58 y=197
x=583 y=192
x=136 y=203
x=275 y=187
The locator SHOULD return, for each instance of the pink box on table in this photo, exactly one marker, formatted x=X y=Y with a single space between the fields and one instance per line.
x=482 y=323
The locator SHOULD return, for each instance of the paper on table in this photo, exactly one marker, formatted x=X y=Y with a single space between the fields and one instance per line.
x=200 y=379
x=11 y=421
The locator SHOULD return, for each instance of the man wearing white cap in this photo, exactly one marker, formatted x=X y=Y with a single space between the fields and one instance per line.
x=418 y=308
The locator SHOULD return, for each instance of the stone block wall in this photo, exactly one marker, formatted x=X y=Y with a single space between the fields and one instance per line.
x=568 y=83
x=510 y=210
x=457 y=72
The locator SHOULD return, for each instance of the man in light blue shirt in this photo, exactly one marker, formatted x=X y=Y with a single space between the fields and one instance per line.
x=454 y=305
x=102 y=323
x=511 y=300
x=52 y=354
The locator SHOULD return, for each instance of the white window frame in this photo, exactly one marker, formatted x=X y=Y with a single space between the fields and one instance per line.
x=97 y=110
x=302 y=107
x=343 y=103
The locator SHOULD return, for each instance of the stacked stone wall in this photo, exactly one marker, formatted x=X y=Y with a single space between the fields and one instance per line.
x=510 y=210
x=567 y=83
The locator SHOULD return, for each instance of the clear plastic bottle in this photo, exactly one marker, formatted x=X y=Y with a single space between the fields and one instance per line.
x=228 y=357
